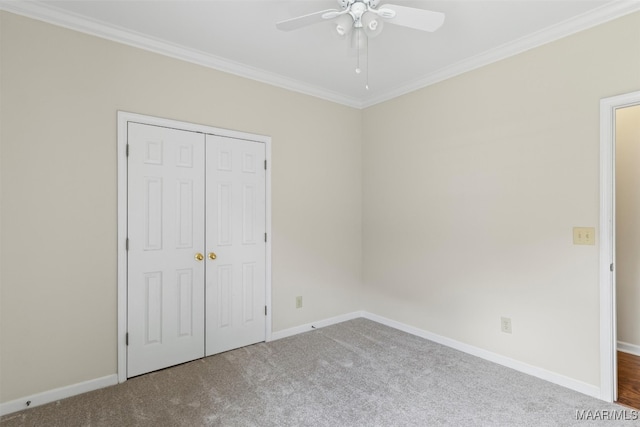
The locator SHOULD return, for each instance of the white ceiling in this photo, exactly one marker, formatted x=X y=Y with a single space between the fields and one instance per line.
x=239 y=36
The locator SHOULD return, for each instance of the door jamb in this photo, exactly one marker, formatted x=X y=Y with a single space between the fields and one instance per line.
x=608 y=334
x=122 y=120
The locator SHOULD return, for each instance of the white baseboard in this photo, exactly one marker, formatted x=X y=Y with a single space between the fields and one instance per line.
x=629 y=348
x=57 y=394
x=315 y=325
x=570 y=383
x=535 y=371
x=555 y=378
x=75 y=389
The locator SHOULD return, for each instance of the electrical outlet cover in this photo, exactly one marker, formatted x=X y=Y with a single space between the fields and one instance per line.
x=505 y=323
x=584 y=236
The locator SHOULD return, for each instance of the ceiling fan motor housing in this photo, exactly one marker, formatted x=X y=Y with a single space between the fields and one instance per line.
x=344 y=4
x=357 y=9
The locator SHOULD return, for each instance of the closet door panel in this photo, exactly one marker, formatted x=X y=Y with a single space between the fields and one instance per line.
x=165 y=286
x=235 y=224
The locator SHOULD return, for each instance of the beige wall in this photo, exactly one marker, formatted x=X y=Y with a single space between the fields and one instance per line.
x=60 y=93
x=628 y=224
x=472 y=187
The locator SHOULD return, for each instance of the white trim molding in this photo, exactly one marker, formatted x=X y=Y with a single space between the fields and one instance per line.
x=629 y=348
x=56 y=394
x=592 y=18
x=608 y=339
x=83 y=24
x=553 y=377
x=315 y=325
x=52 y=15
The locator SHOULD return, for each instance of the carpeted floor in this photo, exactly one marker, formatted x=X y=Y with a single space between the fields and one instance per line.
x=357 y=373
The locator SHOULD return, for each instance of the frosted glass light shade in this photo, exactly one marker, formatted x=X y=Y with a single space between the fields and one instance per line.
x=372 y=24
x=344 y=24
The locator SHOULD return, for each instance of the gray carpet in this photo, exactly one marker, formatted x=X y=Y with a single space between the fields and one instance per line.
x=357 y=373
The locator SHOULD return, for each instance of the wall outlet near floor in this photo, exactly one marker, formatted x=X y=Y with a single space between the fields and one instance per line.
x=298 y=302
x=505 y=324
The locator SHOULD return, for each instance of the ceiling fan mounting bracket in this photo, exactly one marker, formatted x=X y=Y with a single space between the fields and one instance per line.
x=344 y=4
x=356 y=11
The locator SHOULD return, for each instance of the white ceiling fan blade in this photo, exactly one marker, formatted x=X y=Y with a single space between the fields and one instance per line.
x=304 y=20
x=420 y=19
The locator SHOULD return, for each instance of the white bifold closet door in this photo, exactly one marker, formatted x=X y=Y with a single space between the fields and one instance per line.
x=236 y=206
x=196 y=258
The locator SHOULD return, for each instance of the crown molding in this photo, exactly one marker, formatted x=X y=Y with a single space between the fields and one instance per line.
x=597 y=16
x=45 y=13
x=42 y=12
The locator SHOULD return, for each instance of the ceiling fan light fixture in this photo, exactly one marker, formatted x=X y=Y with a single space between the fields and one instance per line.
x=344 y=24
x=372 y=24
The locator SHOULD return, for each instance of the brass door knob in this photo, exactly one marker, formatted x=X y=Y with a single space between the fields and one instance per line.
x=212 y=256
x=199 y=256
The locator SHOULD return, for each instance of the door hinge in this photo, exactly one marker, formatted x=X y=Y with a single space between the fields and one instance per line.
x=265 y=165
x=265 y=237
x=127 y=244
x=611 y=267
x=126 y=338
x=127 y=150
x=265 y=310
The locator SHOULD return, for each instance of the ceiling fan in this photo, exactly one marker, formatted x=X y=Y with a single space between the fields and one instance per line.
x=364 y=19
x=367 y=15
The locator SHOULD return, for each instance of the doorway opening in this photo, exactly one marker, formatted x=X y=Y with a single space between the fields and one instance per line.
x=609 y=107
x=627 y=238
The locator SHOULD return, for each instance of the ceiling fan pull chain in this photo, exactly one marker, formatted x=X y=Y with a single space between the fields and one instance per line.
x=366 y=85
x=358 y=52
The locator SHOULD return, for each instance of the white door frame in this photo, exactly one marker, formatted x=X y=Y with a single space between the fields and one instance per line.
x=123 y=119
x=608 y=335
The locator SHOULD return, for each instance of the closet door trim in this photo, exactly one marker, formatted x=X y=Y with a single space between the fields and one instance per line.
x=123 y=118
